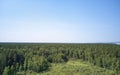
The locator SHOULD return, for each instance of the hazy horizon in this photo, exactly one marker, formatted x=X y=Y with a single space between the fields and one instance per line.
x=60 y=21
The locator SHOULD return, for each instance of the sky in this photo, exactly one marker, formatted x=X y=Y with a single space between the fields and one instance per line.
x=61 y=21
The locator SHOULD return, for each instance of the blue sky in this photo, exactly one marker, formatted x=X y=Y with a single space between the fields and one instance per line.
x=70 y=21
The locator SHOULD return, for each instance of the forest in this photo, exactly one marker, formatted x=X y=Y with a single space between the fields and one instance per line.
x=59 y=59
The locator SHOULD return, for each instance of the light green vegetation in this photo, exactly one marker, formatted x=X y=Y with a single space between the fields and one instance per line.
x=74 y=67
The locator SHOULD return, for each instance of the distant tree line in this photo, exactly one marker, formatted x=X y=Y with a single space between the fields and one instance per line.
x=38 y=57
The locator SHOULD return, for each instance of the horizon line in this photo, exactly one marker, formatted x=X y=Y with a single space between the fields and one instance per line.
x=61 y=42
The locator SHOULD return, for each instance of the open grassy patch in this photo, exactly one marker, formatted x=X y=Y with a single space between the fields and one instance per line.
x=76 y=67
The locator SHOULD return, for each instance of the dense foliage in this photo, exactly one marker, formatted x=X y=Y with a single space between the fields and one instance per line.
x=24 y=57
